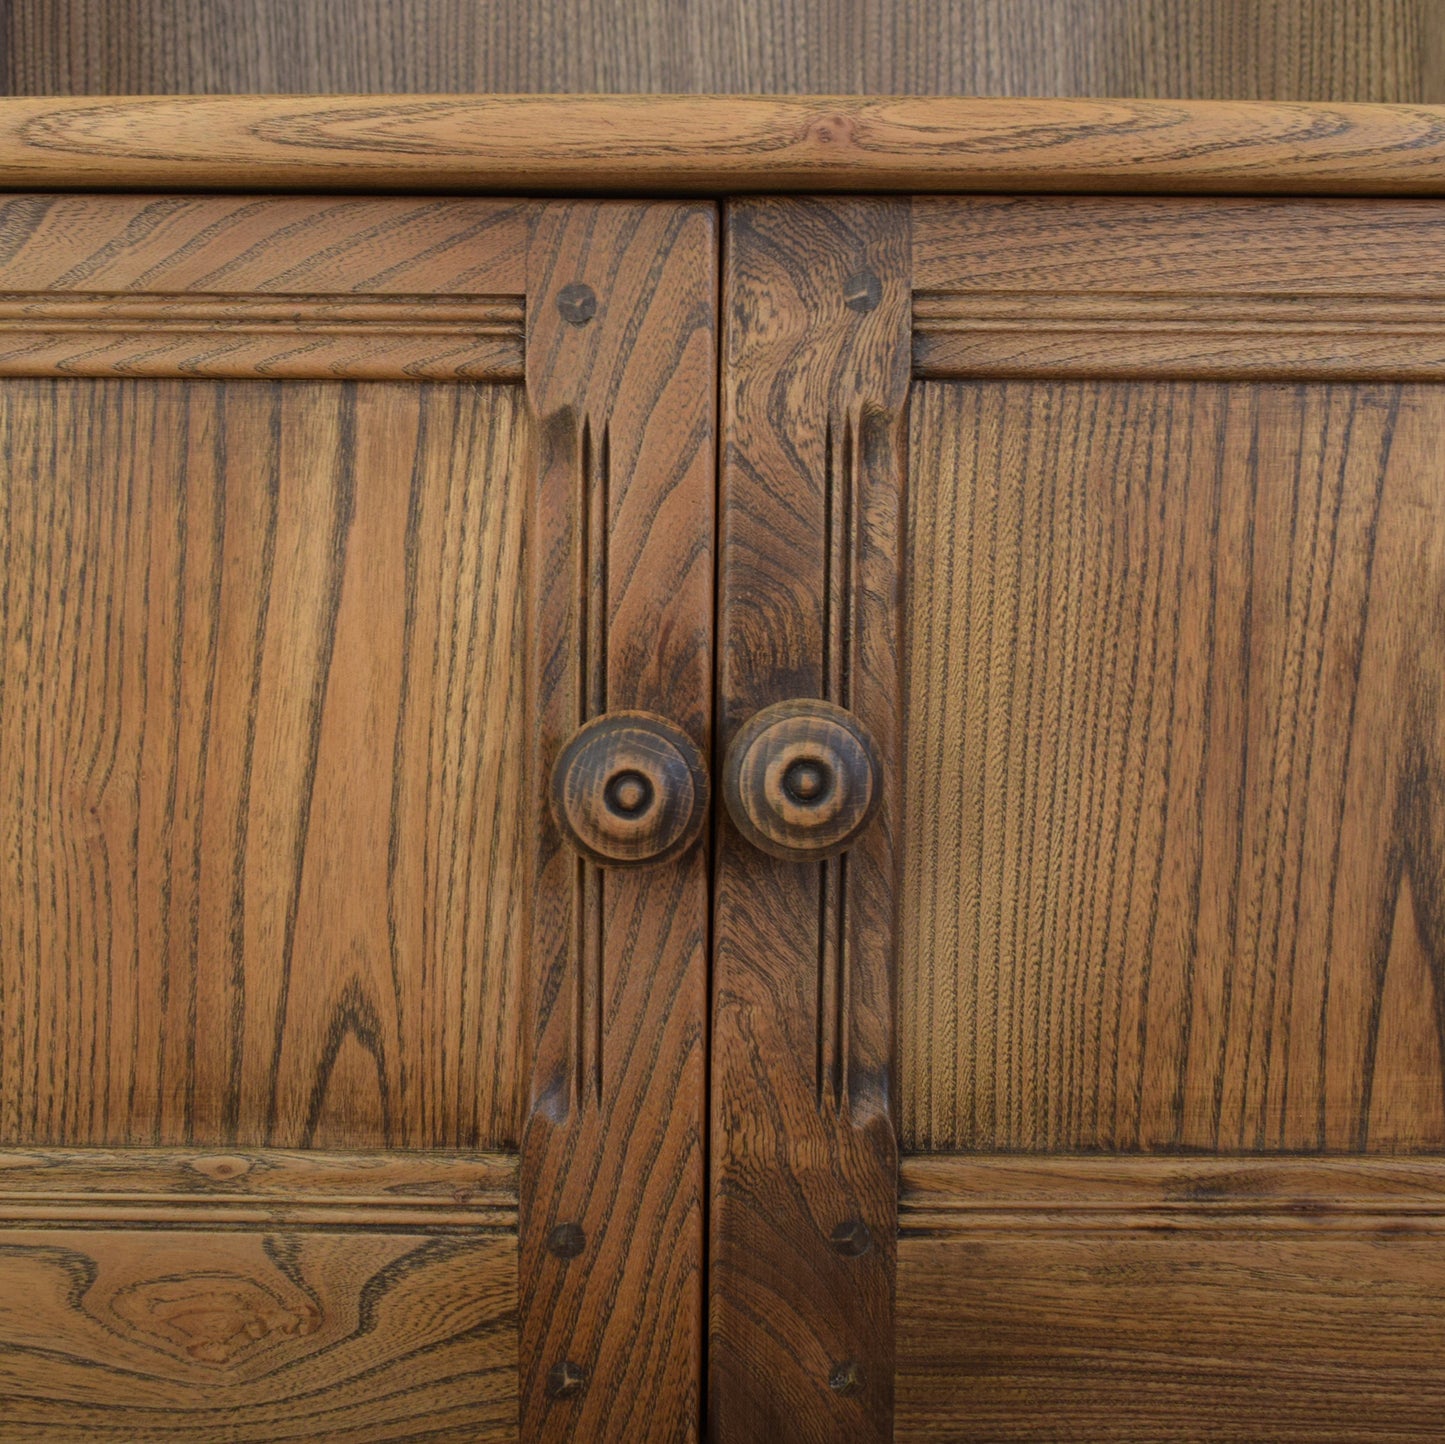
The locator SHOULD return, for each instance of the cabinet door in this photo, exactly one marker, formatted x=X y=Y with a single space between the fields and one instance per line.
x=351 y=1084
x=1118 y=524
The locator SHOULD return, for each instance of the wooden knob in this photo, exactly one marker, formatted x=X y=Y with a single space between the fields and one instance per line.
x=801 y=779
x=629 y=790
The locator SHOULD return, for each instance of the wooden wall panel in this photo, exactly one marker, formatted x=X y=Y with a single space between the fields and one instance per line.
x=1387 y=50
x=262 y=849
x=1175 y=769
x=1152 y=1300
x=199 y=1335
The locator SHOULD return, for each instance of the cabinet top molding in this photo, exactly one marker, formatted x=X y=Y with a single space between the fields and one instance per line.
x=710 y=145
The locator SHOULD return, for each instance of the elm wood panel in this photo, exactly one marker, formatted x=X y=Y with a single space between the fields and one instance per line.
x=1151 y=248
x=424 y=1189
x=1369 y=50
x=262 y=286
x=1184 y=335
x=192 y=1334
x=263 y=880
x=274 y=246
x=804 y=1154
x=943 y=1191
x=1240 y=1311
x=718 y=145
x=622 y=383
x=1173 y=858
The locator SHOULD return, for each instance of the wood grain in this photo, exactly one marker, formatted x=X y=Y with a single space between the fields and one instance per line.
x=801 y=779
x=950 y=1193
x=1275 y=337
x=191 y=1334
x=621 y=381
x=718 y=145
x=170 y=286
x=270 y=1186
x=1138 y=251
x=241 y=337
x=1380 y=50
x=1218 y=1299
x=262 y=849
x=72 y=248
x=1175 y=769
x=815 y=306
x=630 y=789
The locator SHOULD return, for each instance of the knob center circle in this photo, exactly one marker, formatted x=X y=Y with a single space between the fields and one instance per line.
x=808 y=781
x=628 y=793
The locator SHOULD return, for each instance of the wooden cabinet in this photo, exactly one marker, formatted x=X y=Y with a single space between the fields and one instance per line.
x=792 y=816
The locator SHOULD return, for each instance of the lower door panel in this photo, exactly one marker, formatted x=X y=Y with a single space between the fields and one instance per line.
x=1148 y=1299
x=258 y=1295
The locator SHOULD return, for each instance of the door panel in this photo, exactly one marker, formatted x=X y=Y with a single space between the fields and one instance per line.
x=1071 y=1298
x=1172 y=1079
x=1166 y=803
x=122 y=1334
x=1172 y=830
x=340 y=1096
x=265 y=846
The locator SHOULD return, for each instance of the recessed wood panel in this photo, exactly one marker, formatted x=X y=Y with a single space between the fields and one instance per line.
x=1175 y=812
x=261 y=731
x=203 y=1335
x=1152 y=1300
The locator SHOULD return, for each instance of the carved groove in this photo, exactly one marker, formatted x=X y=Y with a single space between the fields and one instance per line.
x=422 y=337
x=257 y=1186
x=1182 y=333
x=840 y=485
x=589 y=914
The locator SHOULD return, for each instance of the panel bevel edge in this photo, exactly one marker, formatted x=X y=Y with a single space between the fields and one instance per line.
x=1137 y=288
x=267 y=288
x=116 y=1187
x=804 y=1147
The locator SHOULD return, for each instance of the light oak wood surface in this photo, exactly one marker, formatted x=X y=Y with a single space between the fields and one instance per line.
x=1241 y=289
x=208 y=287
x=274 y=1186
x=718 y=145
x=1127 y=249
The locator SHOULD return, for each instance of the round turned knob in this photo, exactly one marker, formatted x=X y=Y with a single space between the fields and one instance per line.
x=630 y=789
x=801 y=779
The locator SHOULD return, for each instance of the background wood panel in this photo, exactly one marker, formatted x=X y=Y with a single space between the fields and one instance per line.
x=204 y=1335
x=261 y=841
x=1221 y=1299
x=1175 y=769
x=1387 y=50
